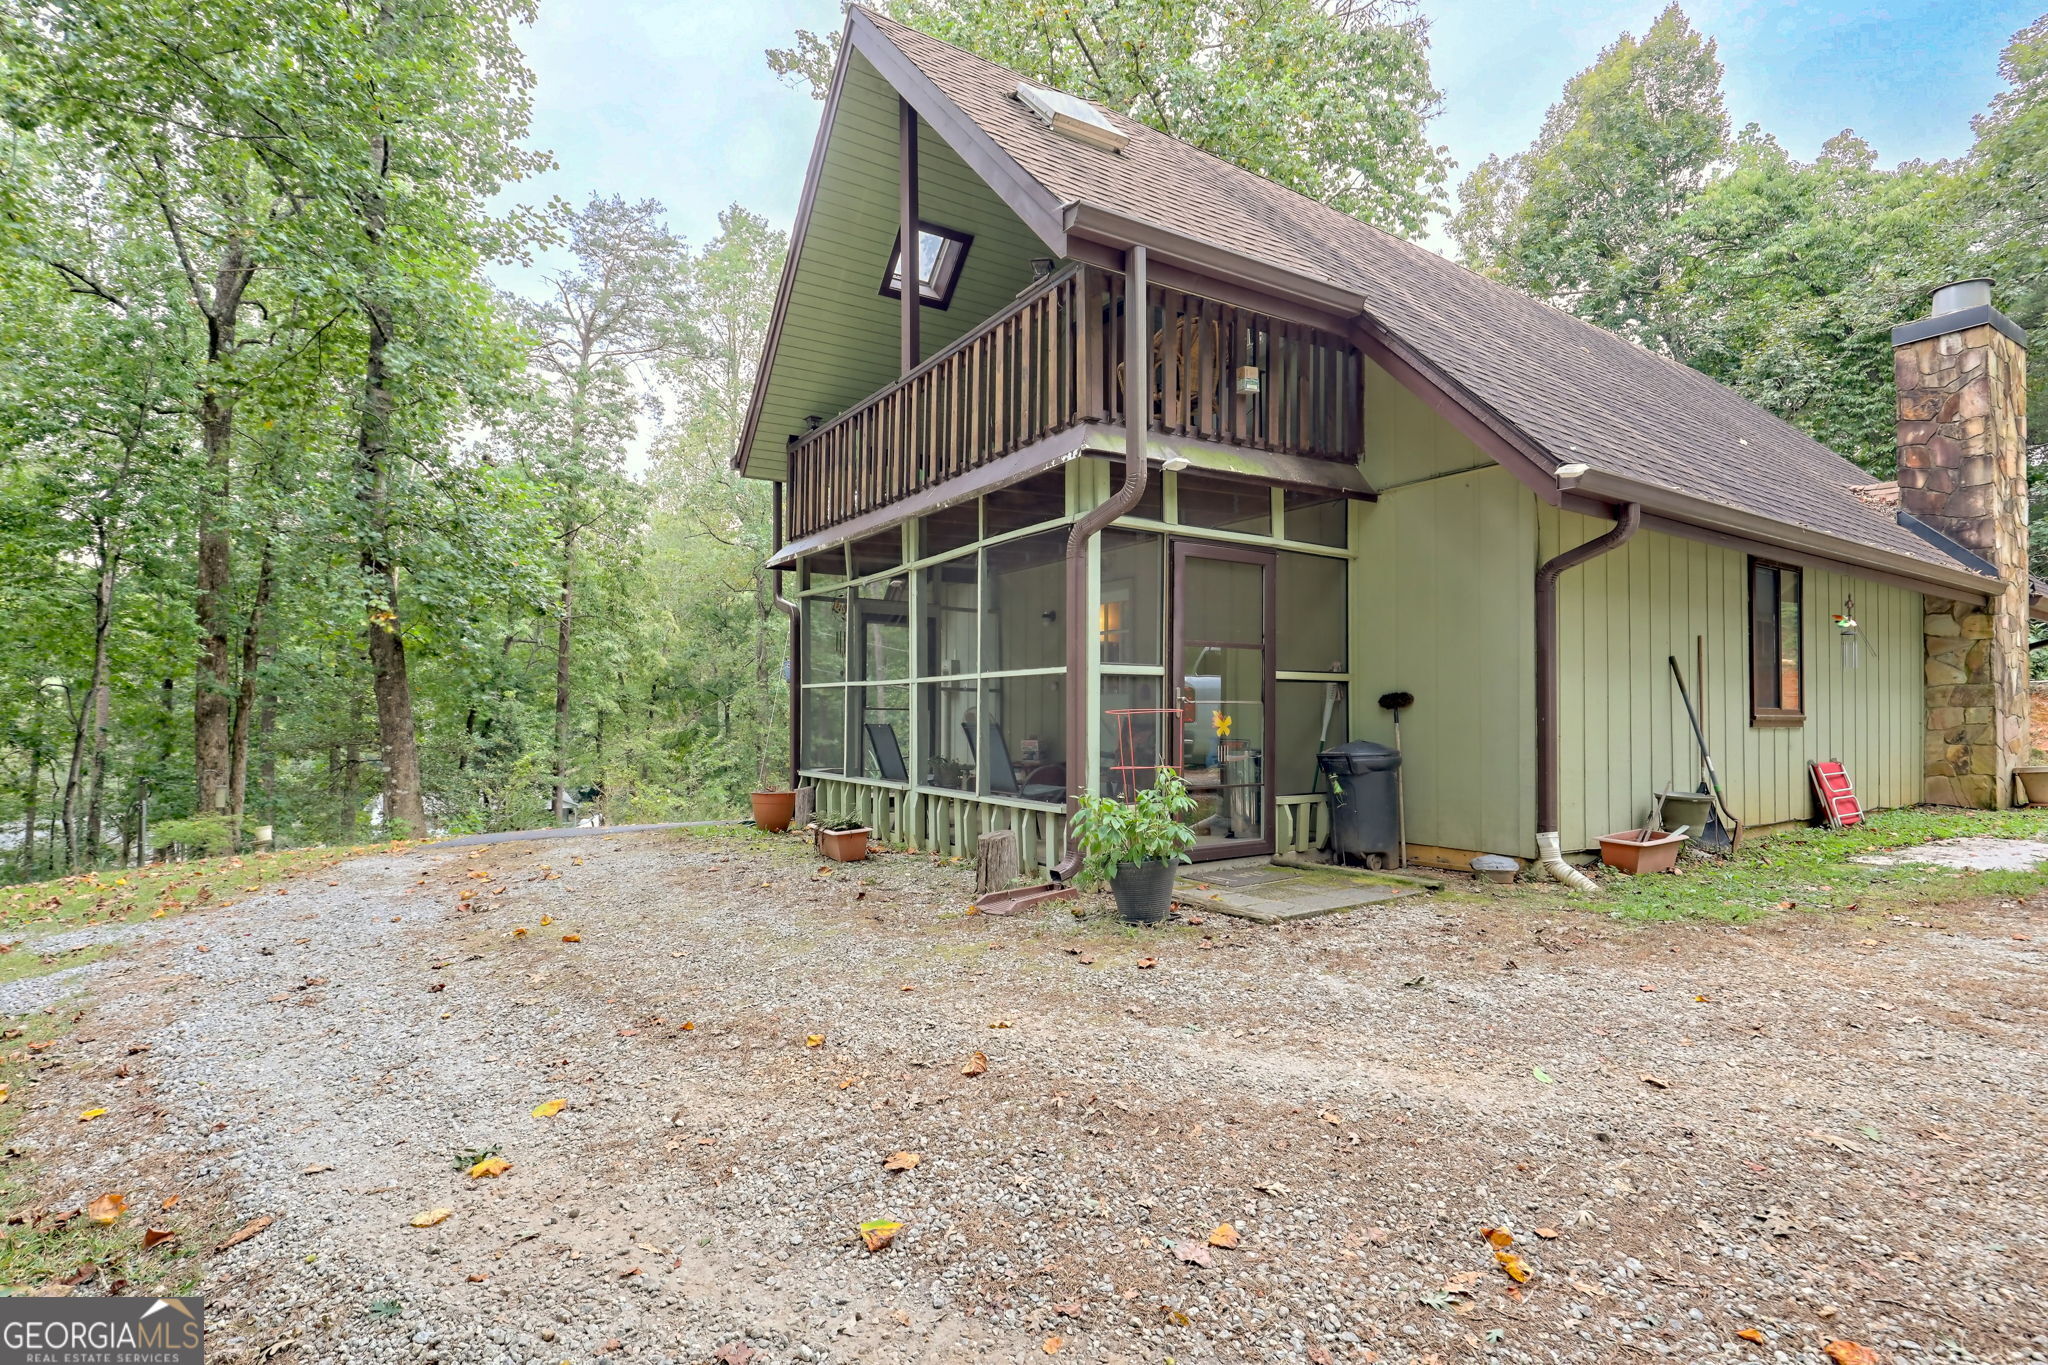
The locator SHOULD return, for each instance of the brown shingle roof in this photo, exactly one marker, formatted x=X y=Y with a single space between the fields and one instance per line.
x=1577 y=391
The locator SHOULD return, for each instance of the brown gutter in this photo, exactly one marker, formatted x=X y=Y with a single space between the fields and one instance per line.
x=1137 y=411
x=1625 y=524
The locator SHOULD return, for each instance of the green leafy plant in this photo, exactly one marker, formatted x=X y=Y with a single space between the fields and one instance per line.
x=1148 y=829
x=841 y=823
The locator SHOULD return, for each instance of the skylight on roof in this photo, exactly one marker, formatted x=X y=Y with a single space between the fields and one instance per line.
x=1071 y=117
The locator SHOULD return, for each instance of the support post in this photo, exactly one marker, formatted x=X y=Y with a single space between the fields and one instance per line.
x=908 y=232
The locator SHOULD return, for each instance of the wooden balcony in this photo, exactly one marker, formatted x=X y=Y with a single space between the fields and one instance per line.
x=1055 y=359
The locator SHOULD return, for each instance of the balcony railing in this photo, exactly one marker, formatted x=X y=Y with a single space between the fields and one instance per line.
x=1055 y=358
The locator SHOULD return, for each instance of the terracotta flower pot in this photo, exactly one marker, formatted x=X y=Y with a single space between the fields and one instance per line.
x=773 y=810
x=1629 y=852
x=844 y=845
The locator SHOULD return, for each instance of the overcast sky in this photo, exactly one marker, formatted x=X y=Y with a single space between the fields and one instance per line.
x=672 y=100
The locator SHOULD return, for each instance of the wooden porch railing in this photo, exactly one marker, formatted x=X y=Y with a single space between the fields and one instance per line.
x=1053 y=359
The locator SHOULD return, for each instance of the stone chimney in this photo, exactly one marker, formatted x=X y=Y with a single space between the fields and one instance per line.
x=1962 y=377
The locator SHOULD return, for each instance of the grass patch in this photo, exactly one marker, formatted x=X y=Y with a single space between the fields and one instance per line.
x=1809 y=868
x=110 y=895
x=41 y=1241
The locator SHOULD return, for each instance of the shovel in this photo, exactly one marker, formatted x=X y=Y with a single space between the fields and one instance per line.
x=1716 y=836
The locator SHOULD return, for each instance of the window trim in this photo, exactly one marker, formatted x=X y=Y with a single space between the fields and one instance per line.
x=1762 y=716
x=943 y=299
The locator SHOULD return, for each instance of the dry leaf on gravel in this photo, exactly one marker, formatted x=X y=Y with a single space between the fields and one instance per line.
x=1548 y=1234
x=549 y=1109
x=733 y=1353
x=1659 y=1082
x=572 y=938
x=1051 y=1346
x=976 y=1065
x=1515 y=1266
x=1146 y=964
x=814 y=1040
x=242 y=1233
x=1225 y=1236
x=107 y=1209
x=877 y=1233
x=89 y=1115
x=1844 y=1352
x=1193 y=1252
x=427 y=1218
x=1751 y=1334
x=1497 y=1237
x=902 y=1161
x=489 y=1167
x=519 y=932
x=155 y=1236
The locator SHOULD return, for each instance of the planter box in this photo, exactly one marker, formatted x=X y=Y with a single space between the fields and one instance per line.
x=2033 y=783
x=1628 y=852
x=844 y=845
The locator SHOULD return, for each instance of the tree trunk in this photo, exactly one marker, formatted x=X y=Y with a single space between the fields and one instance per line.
x=214 y=677
x=564 y=635
x=28 y=819
x=404 y=807
x=96 y=698
x=65 y=840
x=245 y=692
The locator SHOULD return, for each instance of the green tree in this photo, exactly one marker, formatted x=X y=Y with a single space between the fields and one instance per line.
x=1329 y=97
x=1581 y=218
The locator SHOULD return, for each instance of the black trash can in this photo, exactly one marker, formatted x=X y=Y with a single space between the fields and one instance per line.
x=1365 y=803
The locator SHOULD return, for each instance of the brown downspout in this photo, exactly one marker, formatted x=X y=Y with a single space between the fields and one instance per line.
x=1547 y=853
x=1137 y=409
x=796 y=643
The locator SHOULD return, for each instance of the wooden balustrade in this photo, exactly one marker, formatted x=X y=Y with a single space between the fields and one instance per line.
x=1053 y=359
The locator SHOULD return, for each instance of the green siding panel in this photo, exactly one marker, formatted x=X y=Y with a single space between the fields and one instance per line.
x=1623 y=731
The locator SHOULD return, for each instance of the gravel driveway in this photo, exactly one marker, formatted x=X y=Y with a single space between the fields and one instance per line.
x=1706 y=1143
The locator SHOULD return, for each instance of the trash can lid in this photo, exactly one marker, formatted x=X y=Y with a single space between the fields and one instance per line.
x=1360 y=756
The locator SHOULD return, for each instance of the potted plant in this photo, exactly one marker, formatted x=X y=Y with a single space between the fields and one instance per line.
x=844 y=841
x=1135 y=846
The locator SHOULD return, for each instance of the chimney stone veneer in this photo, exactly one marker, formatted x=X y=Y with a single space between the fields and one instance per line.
x=1962 y=470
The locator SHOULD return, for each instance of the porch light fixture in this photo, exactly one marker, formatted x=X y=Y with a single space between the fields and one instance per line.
x=940 y=253
x=1072 y=117
x=1173 y=464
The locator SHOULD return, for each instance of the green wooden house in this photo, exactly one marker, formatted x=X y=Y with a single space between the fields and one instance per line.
x=1151 y=460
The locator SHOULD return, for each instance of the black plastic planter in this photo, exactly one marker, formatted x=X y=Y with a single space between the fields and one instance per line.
x=1144 y=891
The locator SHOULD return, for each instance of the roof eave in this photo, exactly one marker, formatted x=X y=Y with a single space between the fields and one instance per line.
x=1851 y=555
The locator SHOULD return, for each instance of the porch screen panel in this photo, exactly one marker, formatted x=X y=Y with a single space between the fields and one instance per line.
x=824 y=729
x=825 y=639
x=946 y=715
x=946 y=636
x=1133 y=590
x=1020 y=737
x=1024 y=604
x=1311 y=716
x=1312 y=597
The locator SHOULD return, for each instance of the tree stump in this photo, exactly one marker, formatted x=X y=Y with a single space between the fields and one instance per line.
x=996 y=862
x=806 y=806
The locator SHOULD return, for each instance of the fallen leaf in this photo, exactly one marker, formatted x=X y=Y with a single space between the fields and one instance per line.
x=1751 y=1334
x=733 y=1353
x=1660 y=1083
x=153 y=1236
x=1000 y=1023
x=1497 y=1237
x=1517 y=1269
x=546 y=920
x=877 y=1233
x=1051 y=1345
x=519 y=932
x=1844 y=1352
x=549 y=1109
x=902 y=1161
x=170 y=1202
x=489 y=1167
x=1225 y=1236
x=1544 y=1076
x=1193 y=1252
x=1548 y=1234
x=315 y=1170
x=976 y=1065
x=815 y=1040
x=89 y=1115
x=572 y=938
x=244 y=1232
x=1146 y=964
x=427 y=1218
x=107 y=1209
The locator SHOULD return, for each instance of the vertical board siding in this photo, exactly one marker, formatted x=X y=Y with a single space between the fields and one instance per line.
x=1623 y=731
x=1443 y=601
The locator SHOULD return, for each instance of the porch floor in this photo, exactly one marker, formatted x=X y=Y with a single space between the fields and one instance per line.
x=1265 y=892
